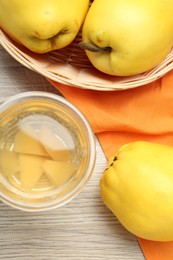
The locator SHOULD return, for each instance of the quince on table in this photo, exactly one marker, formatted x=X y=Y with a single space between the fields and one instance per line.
x=137 y=186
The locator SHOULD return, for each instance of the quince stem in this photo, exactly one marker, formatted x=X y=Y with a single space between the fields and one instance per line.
x=94 y=48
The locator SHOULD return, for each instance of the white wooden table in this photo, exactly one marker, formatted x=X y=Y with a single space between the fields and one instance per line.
x=84 y=229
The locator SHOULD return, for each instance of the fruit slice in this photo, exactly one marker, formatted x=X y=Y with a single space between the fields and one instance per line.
x=9 y=162
x=26 y=141
x=58 y=172
x=54 y=146
x=31 y=170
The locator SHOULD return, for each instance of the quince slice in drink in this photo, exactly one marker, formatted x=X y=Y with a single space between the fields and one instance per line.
x=54 y=146
x=9 y=162
x=58 y=172
x=26 y=141
x=31 y=170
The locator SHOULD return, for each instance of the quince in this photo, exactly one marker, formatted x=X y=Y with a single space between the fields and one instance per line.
x=128 y=37
x=42 y=25
x=137 y=187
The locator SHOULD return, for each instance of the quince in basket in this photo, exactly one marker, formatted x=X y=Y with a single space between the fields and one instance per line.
x=42 y=25
x=137 y=187
x=128 y=37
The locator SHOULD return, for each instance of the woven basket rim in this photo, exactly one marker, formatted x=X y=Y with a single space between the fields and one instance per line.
x=89 y=77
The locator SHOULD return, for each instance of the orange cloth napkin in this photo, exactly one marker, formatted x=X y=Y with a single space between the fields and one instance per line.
x=118 y=117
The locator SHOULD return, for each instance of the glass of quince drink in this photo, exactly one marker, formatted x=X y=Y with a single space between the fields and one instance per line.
x=47 y=151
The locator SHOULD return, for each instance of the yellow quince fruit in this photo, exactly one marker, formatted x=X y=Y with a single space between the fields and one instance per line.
x=42 y=25
x=137 y=186
x=128 y=37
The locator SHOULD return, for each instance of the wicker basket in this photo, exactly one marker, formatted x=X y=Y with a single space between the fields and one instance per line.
x=71 y=66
